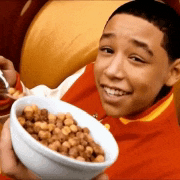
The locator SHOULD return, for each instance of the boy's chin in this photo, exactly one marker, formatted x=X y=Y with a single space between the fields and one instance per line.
x=113 y=113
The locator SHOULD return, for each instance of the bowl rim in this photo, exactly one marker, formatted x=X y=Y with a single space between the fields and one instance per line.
x=53 y=155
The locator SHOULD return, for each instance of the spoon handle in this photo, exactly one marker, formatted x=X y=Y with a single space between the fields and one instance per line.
x=4 y=85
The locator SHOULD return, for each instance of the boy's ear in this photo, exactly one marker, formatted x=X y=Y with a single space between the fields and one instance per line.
x=174 y=73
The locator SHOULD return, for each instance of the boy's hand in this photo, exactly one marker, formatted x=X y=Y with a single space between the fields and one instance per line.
x=7 y=67
x=101 y=176
x=10 y=164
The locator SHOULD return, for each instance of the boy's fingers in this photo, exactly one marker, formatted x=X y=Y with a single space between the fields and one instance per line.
x=8 y=158
x=101 y=176
x=5 y=64
x=10 y=164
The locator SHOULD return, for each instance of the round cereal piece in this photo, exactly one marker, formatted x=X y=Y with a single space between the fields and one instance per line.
x=73 y=151
x=98 y=150
x=22 y=120
x=99 y=158
x=44 y=134
x=83 y=154
x=52 y=118
x=92 y=158
x=56 y=130
x=44 y=126
x=37 y=127
x=89 y=149
x=16 y=94
x=83 y=142
x=73 y=128
x=66 y=130
x=29 y=124
x=62 y=137
x=88 y=138
x=53 y=147
x=37 y=117
x=63 y=149
x=35 y=108
x=53 y=138
x=79 y=158
x=79 y=129
x=69 y=115
x=51 y=127
x=43 y=117
x=71 y=135
x=80 y=148
x=77 y=140
x=61 y=116
x=80 y=135
x=28 y=109
x=44 y=142
x=72 y=142
x=35 y=136
x=59 y=124
x=29 y=116
x=93 y=144
x=30 y=130
x=68 y=122
x=57 y=143
x=11 y=90
x=66 y=144
x=44 y=112
x=86 y=130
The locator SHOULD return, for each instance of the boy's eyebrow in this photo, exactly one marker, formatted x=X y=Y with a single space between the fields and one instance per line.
x=134 y=41
x=106 y=35
x=143 y=45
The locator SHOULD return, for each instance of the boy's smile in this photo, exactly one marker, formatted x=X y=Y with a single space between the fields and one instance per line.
x=131 y=67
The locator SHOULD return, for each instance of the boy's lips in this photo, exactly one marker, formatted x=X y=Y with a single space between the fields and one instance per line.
x=113 y=94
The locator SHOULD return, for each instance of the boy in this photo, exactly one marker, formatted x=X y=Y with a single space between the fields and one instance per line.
x=129 y=88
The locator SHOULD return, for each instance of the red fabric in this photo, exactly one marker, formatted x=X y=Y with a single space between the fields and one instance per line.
x=17 y=87
x=2 y=177
x=147 y=149
x=84 y=90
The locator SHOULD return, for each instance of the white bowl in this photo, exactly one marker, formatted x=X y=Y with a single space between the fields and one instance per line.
x=49 y=164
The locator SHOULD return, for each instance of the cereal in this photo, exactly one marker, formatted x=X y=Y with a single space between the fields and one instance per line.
x=61 y=133
x=12 y=92
x=66 y=130
x=51 y=127
x=68 y=122
x=52 y=119
x=22 y=120
x=73 y=128
x=80 y=158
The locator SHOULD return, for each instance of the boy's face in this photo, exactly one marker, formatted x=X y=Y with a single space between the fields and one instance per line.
x=131 y=66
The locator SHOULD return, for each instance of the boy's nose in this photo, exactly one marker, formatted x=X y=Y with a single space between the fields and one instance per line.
x=115 y=68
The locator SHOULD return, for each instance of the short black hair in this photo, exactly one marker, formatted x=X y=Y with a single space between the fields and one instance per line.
x=162 y=16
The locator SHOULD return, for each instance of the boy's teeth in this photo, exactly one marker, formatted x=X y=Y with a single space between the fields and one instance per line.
x=114 y=92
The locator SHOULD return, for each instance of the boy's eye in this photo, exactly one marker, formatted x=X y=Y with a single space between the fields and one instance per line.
x=137 y=59
x=106 y=50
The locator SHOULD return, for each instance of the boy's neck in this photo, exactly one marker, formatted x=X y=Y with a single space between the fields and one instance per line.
x=163 y=92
